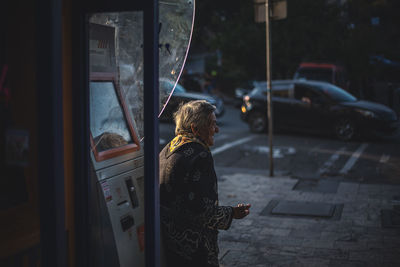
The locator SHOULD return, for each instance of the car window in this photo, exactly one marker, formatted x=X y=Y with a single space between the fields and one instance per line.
x=302 y=92
x=179 y=89
x=168 y=85
x=337 y=94
x=279 y=89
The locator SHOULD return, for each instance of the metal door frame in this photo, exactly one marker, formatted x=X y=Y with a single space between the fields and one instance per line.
x=80 y=84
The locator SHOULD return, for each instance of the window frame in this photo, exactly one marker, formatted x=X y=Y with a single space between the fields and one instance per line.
x=122 y=150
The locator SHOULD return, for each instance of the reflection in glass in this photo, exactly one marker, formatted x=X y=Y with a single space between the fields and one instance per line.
x=176 y=21
x=107 y=122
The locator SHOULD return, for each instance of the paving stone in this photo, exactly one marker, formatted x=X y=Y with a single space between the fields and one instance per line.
x=317 y=186
x=343 y=263
x=318 y=243
x=390 y=264
x=369 y=189
x=351 y=245
x=234 y=245
x=357 y=239
x=369 y=255
x=348 y=188
x=336 y=254
x=337 y=226
x=262 y=240
x=275 y=232
x=286 y=241
x=305 y=233
x=391 y=255
x=312 y=262
x=238 y=257
x=277 y=260
x=246 y=222
x=336 y=236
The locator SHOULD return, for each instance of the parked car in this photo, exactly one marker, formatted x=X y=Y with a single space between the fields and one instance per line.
x=181 y=95
x=314 y=106
x=240 y=92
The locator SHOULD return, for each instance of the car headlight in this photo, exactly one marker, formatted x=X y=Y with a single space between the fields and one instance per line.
x=367 y=113
x=246 y=100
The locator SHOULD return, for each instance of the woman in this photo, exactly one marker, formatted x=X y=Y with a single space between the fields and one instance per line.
x=190 y=214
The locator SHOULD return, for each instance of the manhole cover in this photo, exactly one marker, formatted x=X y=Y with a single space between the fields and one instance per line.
x=303 y=209
x=320 y=186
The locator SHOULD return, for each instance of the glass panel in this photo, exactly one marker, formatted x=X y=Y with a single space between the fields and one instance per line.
x=107 y=122
x=117 y=120
x=176 y=22
x=176 y=25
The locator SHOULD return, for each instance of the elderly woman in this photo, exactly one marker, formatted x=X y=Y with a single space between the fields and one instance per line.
x=190 y=214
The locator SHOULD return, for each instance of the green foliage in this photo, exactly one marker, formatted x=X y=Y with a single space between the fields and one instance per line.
x=313 y=31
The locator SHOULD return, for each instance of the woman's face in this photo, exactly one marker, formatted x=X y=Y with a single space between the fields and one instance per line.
x=207 y=133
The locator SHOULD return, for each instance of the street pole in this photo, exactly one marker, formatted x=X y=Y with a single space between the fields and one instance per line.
x=269 y=86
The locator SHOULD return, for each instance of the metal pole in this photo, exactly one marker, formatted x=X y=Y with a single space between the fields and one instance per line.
x=50 y=134
x=269 y=91
x=151 y=131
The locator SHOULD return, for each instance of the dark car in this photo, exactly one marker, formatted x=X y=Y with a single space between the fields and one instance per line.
x=314 y=106
x=181 y=95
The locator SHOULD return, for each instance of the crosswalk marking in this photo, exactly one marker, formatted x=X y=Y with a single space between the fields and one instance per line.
x=331 y=160
x=385 y=158
x=353 y=159
x=231 y=144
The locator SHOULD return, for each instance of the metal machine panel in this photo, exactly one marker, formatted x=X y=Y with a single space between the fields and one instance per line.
x=124 y=198
x=131 y=160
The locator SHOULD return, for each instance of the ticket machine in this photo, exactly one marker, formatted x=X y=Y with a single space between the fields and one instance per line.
x=117 y=181
x=117 y=177
x=116 y=125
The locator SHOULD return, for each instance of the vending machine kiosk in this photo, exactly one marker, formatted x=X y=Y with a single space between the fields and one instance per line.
x=117 y=177
x=117 y=180
x=116 y=195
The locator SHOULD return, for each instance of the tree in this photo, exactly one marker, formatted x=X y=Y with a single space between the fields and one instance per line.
x=315 y=30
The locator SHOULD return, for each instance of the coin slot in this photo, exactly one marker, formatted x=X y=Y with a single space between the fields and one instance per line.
x=132 y=193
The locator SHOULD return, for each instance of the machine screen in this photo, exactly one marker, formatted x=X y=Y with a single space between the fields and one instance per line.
x=108 y=124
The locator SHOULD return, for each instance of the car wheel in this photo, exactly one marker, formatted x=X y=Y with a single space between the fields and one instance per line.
x=257 y=122
x=345 y=129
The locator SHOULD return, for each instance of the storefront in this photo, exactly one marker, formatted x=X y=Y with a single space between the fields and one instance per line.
x=79 y=103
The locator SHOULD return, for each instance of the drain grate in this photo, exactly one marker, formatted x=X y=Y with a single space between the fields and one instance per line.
x=303 y=209
x=319 y=186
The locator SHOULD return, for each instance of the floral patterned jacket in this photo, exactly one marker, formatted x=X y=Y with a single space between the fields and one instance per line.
x=190 y=214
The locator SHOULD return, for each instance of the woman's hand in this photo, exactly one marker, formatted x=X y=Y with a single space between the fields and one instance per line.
x=241 y=211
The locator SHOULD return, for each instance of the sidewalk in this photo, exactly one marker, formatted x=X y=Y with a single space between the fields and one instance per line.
x=354 y=236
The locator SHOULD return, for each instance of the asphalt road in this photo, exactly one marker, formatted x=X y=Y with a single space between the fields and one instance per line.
x=299 y=155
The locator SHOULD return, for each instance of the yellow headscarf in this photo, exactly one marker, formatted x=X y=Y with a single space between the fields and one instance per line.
x=181 y=139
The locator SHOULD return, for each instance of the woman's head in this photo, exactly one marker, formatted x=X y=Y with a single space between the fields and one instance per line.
x=197 y=118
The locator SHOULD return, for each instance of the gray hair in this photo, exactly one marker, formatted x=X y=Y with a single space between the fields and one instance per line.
x=196 y=112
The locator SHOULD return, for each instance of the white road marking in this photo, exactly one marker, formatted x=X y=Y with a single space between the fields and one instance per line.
x=352 y=160
x=279 y=152
x=331 y=160
x=232 y=144
x=220 y=137
x=385 y=158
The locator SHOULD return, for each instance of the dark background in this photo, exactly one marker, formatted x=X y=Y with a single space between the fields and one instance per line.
x=357 y=34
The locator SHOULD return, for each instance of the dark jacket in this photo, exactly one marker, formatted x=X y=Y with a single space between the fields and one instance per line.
x=190 y=214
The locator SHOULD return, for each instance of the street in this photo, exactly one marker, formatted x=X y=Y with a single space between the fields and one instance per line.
x=301 y=156
x=358 y=182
